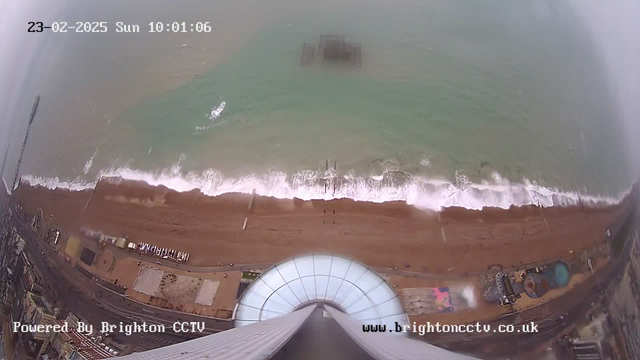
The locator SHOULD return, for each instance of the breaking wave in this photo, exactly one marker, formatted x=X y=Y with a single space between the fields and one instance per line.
x=215 y=113
x=392 y=185
x=55 y=183
x=89 y=163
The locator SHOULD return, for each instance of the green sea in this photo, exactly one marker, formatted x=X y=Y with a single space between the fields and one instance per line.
x=468 y=103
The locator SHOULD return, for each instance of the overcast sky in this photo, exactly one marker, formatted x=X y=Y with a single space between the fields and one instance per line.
x=615 y=27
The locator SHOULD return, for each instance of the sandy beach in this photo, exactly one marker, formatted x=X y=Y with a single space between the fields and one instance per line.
x=389 y=234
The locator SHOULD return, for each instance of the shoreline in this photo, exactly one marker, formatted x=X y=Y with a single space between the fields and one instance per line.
x=454 y=241
x=307 y=185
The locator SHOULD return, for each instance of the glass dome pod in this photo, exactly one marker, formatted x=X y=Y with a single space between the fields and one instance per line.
x=343 y=283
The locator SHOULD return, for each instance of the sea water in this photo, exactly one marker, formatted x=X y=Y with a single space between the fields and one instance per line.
x=457 y=103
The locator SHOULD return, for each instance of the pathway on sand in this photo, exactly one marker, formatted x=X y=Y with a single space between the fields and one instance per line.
x=383 y=235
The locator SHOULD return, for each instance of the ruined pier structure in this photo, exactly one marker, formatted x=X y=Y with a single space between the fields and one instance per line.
x=334 y=48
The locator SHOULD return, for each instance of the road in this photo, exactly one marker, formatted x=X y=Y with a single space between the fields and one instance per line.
x=120 y=253
x=91 y=301
x=553 y=317
x=95 y=303
x=82 y=305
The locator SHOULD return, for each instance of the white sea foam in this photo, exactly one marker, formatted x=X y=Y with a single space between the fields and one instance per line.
x=215 y=113
x=87 y=166
x=55 y=183
x=89 y=163
x=393 y=185
x=6 y=187
x=201 y=129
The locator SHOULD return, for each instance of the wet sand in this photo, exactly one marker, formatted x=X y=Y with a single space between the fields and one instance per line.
x=389 y=235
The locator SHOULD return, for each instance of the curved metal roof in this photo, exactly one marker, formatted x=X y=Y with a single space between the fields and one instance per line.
x=342 y=282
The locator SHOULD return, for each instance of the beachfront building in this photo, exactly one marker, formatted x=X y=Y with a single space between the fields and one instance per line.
x=315 y=304
x=74 y=345
x=36 y=312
